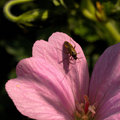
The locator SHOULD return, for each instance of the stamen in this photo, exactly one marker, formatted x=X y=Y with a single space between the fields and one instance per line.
x=92 y=109
x=84 y=111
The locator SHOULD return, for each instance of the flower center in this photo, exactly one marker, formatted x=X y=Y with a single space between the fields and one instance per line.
x=84 y=111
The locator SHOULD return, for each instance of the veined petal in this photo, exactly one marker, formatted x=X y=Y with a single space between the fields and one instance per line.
x=104 y=89
x=40 y=92
x=112 y=117
x=110 y=106
x=44 y=49
x=76 y=72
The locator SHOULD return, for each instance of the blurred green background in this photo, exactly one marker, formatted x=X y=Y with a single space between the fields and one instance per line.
x=16 y=40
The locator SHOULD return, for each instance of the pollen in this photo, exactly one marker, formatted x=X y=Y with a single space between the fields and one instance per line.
x=84 y=111
x=17 y=85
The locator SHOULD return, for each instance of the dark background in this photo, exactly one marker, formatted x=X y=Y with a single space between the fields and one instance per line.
x=16 y=41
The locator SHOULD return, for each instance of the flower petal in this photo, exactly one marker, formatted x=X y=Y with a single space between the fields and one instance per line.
x=105 y=83
x=40 y=92
x=45 y=50
x=112 y=117
x=76 y=72
x=110 y=107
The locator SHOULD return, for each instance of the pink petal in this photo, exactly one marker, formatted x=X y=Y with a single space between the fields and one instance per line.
x=40 y=92
x=76 y=72
x=110 y=107
x=113 y=117
x=45 y=50
x=105 y=84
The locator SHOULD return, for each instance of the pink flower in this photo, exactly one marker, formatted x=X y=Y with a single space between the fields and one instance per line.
x=50 y=86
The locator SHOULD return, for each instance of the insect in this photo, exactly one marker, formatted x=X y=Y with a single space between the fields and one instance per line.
x=70 y=50
x=71 y=55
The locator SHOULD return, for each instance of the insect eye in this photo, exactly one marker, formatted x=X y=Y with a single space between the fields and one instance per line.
x=73 y=53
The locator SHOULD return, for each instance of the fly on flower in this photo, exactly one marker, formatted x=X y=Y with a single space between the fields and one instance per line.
x=70 y=50
x=69 y=55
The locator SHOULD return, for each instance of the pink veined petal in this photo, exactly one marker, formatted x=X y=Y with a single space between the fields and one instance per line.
x=31 y=103
x=39 y=92
x=104 y=89
x=77 y=71
x=45 y=50
x=110 y=105
x=113 y=117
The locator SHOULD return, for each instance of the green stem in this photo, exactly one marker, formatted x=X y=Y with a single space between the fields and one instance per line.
x=9 y=5
x=88 y=9
x=90 y=6
x=87 y=14
x=113 y=31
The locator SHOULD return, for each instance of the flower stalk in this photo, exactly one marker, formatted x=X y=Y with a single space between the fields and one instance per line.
x=88 y=9
x=98 y=15
x=113 y=31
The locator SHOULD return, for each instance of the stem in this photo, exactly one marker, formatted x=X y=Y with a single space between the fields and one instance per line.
x=87 y=14
x=90 y=6
x=8 y=6
x=113 y=31
x=118 y=3
x=89 y=11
